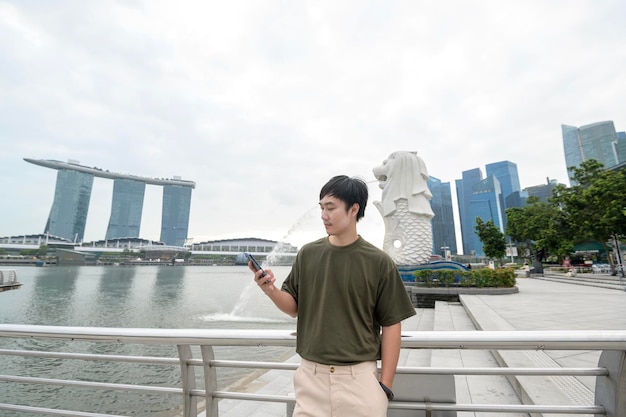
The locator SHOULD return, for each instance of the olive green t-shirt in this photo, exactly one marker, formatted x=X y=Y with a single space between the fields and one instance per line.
x=344 y=295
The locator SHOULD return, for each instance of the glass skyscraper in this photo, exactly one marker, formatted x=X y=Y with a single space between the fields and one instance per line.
x=595 y=141
x=68 y=215
x=175 y=214
x=486 y=204
x=506 y=173
x=620 y=147
x=486 y=198
x=444 y=234
x=126 y=208
x=464 y=188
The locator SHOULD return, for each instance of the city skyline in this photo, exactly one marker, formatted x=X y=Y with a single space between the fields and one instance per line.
x=485 y=198
x=262 y=102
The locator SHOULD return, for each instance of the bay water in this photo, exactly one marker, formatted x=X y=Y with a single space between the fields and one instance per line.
x=176 y=297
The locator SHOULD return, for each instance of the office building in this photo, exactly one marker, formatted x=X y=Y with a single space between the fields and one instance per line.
x=542 y=191
x=594 y=141
x=68 y=215
x=511 y=196
x=464 y=188
x=620 y=147
x=506 y=173
x=444 y=235
x=486 y=204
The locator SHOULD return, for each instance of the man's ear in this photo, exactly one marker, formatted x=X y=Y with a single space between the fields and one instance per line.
x=354 y=210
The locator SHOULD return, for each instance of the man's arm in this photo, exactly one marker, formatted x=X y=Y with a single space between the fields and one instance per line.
x=390 y=352
x=283 y=300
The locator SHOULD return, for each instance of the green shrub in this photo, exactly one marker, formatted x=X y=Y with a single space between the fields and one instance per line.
x=479 y=278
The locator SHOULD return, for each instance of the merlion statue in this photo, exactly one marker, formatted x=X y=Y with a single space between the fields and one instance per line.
x=405 y=208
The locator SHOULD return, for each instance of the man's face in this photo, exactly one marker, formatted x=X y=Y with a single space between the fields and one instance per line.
x=337 y=220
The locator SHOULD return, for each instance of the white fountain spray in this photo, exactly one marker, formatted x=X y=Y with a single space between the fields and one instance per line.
x=270 y=259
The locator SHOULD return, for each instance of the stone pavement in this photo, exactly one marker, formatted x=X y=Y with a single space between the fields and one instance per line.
x=539 y=305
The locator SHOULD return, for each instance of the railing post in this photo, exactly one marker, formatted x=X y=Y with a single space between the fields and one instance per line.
x=611 y=389
x=210 y=380
x=190 y=403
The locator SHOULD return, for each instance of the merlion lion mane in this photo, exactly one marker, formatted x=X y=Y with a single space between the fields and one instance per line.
x=405 y=208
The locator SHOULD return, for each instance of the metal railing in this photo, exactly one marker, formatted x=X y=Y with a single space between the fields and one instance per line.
x=8 y=276
x=610 y=374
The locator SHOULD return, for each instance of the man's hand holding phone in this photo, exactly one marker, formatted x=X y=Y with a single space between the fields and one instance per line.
x=263 y=278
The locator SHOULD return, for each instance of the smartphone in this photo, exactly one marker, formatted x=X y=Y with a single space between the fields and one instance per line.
x=254 y=262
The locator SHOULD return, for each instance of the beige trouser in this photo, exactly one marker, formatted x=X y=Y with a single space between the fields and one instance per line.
x=338 y=391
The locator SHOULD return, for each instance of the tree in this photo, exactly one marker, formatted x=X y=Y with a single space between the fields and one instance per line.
x=538 y=227
x=593 y=209
x=494 y=242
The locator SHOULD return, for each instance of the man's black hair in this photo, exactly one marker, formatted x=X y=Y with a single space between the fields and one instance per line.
x=349 y=190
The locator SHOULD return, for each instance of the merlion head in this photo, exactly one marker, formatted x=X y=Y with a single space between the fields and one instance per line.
x=404 y=175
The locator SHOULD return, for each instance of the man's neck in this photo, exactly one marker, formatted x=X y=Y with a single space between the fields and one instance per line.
x=343 y=240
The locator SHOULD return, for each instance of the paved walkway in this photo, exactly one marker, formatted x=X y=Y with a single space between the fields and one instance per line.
x=539 y=305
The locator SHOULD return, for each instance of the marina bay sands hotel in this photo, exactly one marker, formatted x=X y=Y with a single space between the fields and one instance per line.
x=68 y=214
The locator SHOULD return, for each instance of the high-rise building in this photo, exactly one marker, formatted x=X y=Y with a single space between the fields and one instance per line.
x=594 y=141
x=175 y=214
x=444 y=235
x=542 y=191
x=620 y=147
x=68 y=215
x=486 y=204
x=126 y=208
x=506 y=173
x=464 y=188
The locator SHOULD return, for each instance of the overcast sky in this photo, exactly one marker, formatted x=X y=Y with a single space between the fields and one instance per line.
x=261 y=102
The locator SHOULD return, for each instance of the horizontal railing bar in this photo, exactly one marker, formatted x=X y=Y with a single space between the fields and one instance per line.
x=197 y=393
x=91 y=384
x=512 y=340
x=432 y=370
x=506 y=371
x=501 y=408
x=53 y=412
x=510 y=408
x=214 y=337
x=293 y=366
x=93 y=357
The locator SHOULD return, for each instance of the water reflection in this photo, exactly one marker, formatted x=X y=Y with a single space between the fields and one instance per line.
x=168 y=286
x=51 y=298
x=113 y=304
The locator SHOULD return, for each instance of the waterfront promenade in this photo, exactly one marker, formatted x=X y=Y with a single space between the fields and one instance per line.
x=540 y=305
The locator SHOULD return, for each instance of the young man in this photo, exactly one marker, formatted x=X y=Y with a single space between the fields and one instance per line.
x=343 y=291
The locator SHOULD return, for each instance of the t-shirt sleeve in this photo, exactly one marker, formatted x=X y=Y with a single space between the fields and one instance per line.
x=290 y=284
x=394 y=303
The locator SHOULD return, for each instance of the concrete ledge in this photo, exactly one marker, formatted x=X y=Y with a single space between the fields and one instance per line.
x=531 y=390
x=425 y=297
